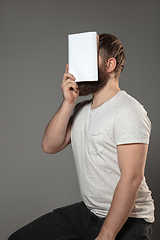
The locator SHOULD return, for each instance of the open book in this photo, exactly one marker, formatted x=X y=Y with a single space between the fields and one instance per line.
x=83 y=56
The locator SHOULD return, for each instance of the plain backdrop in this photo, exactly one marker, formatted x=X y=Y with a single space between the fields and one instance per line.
x=33 y=54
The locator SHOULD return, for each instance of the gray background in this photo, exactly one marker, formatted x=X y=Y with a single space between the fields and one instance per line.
x=33 y=54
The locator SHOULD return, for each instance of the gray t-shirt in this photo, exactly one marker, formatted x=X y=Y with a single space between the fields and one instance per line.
x=95 y=135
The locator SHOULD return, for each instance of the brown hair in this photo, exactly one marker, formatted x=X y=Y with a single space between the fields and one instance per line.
x=110 y=46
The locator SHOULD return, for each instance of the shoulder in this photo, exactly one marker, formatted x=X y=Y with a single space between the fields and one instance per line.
x=132 y=124
x=131 y=106
x=132 y=114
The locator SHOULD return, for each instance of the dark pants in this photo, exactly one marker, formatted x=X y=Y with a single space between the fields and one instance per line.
x=77 y=222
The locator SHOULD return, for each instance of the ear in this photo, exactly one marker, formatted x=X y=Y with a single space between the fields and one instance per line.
x=111 y=65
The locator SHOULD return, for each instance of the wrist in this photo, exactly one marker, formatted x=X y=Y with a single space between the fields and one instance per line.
x=68 y=105
x=106 y=235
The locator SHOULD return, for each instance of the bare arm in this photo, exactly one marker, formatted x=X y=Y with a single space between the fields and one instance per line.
x=58 y=132
x=131 y=158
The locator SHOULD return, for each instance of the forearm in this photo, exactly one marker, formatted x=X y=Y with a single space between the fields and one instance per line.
x=55 y=132
x=123 y=200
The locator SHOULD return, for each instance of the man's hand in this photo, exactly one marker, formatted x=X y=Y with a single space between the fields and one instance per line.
x=69 y=87
x=58 y=132
x=104 y=235
x=99 y=237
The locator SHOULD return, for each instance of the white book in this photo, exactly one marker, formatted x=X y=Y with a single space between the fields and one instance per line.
x=83 y=56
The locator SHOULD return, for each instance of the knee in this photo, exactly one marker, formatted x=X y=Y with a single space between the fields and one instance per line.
x=15 y=236
x=11 y=237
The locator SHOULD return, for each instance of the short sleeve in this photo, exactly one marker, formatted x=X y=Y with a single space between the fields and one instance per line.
x=132 y=125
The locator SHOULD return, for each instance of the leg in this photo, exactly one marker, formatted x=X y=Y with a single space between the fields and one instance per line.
x=93 y=227
x=67 y=222
x=134 y=229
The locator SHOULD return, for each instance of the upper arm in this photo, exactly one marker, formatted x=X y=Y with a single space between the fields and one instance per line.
x=131 y=134
x=131 y=159
x=67 y=140
x=132 y=125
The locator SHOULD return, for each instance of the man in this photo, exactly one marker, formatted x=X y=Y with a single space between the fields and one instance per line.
x=110 y=136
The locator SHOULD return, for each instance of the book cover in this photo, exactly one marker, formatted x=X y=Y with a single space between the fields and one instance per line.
x=83 y=56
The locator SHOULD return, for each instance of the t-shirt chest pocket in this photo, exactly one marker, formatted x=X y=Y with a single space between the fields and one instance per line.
x=94 y=141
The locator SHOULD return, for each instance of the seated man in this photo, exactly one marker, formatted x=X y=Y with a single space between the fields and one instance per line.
x=109 y=136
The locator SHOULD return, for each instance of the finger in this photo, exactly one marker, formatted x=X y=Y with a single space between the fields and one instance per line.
x=67 y=68
x=67 y=76
x=70 y=81
x=70 y=85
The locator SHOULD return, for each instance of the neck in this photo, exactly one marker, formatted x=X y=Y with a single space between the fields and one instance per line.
x=105 y=93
